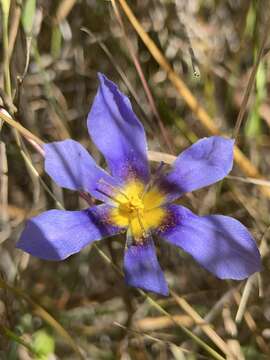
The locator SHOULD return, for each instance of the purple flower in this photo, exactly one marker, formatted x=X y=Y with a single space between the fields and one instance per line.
x=134 y=204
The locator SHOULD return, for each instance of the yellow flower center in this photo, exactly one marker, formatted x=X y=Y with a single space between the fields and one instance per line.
x=138 y=209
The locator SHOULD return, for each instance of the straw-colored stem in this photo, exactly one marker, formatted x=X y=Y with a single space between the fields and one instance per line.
x=7 y=81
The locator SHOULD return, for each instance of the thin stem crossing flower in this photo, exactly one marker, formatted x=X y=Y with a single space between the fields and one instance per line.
x=137 y=205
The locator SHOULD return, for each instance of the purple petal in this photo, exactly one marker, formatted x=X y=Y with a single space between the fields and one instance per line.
x=219 y=243
x=206 y=162
x=57 y=234
x=118 y=133
x=72 y=167
x=142 y=269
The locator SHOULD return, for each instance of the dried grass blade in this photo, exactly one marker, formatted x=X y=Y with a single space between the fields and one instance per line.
x=206 y=328
x=22 y=130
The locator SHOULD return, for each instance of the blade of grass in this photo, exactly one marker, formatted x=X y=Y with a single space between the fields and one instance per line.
x=264 y=250
x=5 y=11
x=4 y=215
x=251 y=324
x=22 y=130
x=18 y=339
x=64 y=8
x=28 y=16
x=249 y=180
x=14 y=27
x=251 y=81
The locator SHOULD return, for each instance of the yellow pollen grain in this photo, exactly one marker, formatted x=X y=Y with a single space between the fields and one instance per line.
x=140 y=211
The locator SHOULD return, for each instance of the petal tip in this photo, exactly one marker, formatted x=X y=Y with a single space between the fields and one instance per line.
x=101 y=77
x=163 y=290
x=142 y=269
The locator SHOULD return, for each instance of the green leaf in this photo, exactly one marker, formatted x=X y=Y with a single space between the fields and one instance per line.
x=28 y=16
x=56 y=42
x=253 y=125
x=261 y=80
x=251 y=20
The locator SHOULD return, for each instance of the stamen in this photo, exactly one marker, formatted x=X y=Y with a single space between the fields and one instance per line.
x=84 y=195
x=153 y=180
x=114 y=188
x=130 y=232
x=108 y=196
x=141 y=223
x=103 y=192
x=123 y=194
x=129 y=237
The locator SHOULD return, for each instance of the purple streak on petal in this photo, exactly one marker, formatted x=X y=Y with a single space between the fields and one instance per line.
x=219 y=243
x=142 y=269
x=57 y=234
x=205 y=162
x=118 y=133
x=72 y=167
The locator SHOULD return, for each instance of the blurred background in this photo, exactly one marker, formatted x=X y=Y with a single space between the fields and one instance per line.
x=50 y=54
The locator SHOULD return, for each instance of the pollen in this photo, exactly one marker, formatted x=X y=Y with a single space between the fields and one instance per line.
x=138 y=209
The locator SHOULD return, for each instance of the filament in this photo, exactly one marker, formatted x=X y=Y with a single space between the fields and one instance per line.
x=114 y=188
x=153 y=180
x=109 y=196
x=141 y=223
